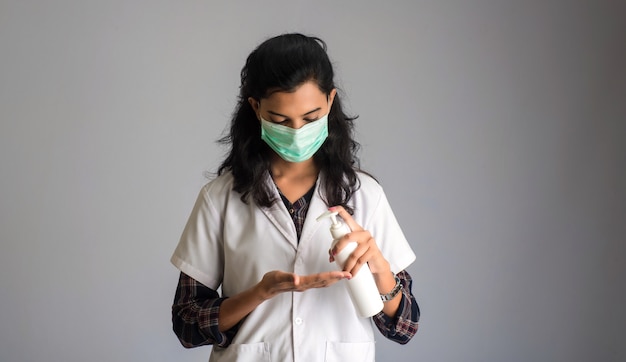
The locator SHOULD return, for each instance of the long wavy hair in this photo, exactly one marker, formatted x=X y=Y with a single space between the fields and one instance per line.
x=283 y=63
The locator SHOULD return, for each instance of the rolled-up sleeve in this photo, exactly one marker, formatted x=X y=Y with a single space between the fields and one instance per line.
x=195 y=315
x=403 y=326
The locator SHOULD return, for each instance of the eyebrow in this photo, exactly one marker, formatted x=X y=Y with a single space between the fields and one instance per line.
x=306 y=114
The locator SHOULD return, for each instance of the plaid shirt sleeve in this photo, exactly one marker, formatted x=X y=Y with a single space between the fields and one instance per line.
x=195 y=314
x=403 y=326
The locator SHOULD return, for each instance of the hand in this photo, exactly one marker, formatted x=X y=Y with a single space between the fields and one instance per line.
x=366 y=251
x=276 y=282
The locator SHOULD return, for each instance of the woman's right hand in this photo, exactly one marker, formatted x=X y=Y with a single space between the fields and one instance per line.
x=236 y=307
x=276 y=282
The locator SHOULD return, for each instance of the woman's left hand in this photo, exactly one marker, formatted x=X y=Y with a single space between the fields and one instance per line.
x=366 y=251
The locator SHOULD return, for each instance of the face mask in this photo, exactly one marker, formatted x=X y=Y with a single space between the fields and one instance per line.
x=295 y=145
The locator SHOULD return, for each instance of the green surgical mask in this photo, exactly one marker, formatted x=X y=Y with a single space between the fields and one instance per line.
x=295 y=145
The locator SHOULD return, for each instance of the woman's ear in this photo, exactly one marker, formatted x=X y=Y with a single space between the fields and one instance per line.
x=255 y=106
x=331 y=98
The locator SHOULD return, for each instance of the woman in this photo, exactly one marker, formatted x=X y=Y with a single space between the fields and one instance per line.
x=253 y=231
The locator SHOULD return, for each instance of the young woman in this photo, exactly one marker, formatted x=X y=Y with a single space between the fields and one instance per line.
x=253 y=230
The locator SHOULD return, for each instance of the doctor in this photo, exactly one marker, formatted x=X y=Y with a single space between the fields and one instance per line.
x=253 y=231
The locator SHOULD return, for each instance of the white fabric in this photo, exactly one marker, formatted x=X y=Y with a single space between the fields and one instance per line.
x=231 y=244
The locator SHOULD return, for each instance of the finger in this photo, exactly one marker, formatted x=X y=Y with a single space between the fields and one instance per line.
x=283 y=281
x=363 y=254
x=360 y=237
x=315 y=281
x=346 y=217
x=281 y=277
x=364 y=259
x=353 y=265
x=338 y=275
x=321 y=280
x=346 y=256
x=296 y=280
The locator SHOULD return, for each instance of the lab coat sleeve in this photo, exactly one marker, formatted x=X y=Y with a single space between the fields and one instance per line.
x=384 y=227
x=199 y=253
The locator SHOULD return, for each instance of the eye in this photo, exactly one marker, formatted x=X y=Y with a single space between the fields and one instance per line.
x=310 y=119
x=283 y=121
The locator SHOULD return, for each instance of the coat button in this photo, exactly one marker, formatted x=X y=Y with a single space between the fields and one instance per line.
x=298 y=321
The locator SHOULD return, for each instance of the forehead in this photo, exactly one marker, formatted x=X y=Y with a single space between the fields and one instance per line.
x=304 y=98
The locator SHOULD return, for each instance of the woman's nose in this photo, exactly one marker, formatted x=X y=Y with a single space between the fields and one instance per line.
x=297 y=124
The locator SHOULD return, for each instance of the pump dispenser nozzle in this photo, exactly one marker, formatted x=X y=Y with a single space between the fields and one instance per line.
x=330 y=214
x=337 y=229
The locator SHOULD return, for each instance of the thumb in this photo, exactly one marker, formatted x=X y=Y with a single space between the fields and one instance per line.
x=296 y=280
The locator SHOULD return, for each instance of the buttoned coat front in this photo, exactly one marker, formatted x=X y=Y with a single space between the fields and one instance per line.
x=230 y=244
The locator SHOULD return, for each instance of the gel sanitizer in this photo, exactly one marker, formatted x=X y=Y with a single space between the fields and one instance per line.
x=362 y=287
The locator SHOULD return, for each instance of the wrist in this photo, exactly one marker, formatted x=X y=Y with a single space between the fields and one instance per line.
x=386 y=297
x=260 y=292
x=380 y=269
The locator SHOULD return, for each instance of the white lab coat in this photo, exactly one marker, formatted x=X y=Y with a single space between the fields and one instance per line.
x=231 y=244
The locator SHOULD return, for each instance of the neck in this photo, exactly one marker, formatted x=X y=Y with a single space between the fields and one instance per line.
x=283 y=169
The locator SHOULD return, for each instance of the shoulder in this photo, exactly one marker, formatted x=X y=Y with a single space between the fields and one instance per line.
x=219 y=185
x=368 y=194
x=218 y=190
x=368 y=184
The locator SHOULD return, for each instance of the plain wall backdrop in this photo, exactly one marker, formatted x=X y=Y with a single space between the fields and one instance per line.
x=497 y=128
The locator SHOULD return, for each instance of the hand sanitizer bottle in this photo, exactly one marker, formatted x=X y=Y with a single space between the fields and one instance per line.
x=362 y=287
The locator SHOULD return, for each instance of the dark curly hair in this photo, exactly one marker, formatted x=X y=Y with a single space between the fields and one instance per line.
x=283 y=63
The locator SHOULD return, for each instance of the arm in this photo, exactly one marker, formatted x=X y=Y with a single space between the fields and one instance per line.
x=403 y=326
x=385 y=283
x=368 y=252
x=195 y=315
x=237 y=307
x=201 y=317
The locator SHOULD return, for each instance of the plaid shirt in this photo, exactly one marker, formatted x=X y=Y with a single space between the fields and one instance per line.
x=196 y=307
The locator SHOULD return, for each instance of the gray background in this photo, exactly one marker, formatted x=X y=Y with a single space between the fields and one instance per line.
x=496 y=127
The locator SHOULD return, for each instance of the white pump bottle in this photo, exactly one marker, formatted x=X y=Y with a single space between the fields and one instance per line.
x=362 y=287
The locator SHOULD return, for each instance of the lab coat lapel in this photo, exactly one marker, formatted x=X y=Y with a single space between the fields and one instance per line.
x=279 y=216
x=316 y=208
